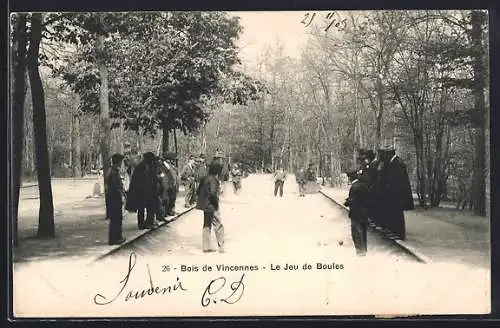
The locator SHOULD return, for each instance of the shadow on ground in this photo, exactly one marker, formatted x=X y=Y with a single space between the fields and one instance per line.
x=81 y=232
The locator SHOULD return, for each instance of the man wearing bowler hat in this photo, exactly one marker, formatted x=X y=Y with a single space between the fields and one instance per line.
x=397 y=193
x=115 y=196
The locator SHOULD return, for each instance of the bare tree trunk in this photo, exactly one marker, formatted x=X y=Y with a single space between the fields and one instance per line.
x=479 y=185
x=380 y=112
x=165 y=140
x=122 y=136
x=420 y=173
x=176 y=148
x=46 y=212
x=104 y=119
x=75 y=146
x=139 y=141
x=18 y=70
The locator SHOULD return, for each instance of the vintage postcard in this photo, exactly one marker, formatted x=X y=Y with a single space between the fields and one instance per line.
x=279 y=163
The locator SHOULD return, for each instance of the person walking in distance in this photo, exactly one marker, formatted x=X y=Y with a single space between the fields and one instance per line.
x=279 y=181
x=188 y=178
x=302 y=181
x=115 y=198
x=236 y=176
x=358 y=202
x=208 y=201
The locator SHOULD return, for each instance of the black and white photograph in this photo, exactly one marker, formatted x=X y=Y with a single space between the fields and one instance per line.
x=249 y=163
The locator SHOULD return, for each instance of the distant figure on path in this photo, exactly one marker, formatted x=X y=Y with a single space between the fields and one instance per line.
x=358 y=202
x=208 y=201
x=279 y=181
x=301 y=178
x=236 y=176
x=173 y=188
x=114 y=199
x=188 y=178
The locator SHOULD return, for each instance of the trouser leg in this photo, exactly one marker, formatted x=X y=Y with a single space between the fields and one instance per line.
x=115 y=226
x=140 y=217
x=150 y=215
x=358 y=233
x=281 y=188
x=207 y=229
x=219 y=229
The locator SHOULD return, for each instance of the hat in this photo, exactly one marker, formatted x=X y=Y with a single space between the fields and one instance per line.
x=149 y=156
x=117 y=158
x=352 y=175
x=170 y=156
x=367 y=154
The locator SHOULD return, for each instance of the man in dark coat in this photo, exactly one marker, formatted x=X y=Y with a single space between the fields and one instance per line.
x=165 y=179
x=143 y=191
x=358 y=202
x=201 y=172
x=311 y=175
x=368 y=169
x=208 y=202
x=114 y=201
x=397 y=191
x=173 y=184
x=189 y=181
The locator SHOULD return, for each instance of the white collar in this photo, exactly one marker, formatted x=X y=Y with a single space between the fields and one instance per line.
x=393 y=157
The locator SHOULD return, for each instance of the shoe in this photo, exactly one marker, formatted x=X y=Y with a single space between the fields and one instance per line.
x=209 y=250
x=118 y=242
x=152 y=225
x=187 y=206
x=141 y=227
x=162 y=219
x=222 y=250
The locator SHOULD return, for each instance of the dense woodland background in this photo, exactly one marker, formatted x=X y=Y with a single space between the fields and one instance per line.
x=84 y=84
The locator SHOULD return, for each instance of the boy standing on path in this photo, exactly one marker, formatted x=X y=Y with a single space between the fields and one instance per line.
x=279 y=181
x=115 y=196
x=208 y=201
x=358 y=202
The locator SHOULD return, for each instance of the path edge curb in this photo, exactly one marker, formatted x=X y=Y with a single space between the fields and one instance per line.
x=398 y=242
x=141 y=234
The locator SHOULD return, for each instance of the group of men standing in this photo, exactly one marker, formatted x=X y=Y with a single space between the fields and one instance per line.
x=380 y=190
x=152 y=191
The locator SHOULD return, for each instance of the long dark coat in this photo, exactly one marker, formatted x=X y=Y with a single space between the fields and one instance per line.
x=143 y=189
x=398 y=185
x=208 y=197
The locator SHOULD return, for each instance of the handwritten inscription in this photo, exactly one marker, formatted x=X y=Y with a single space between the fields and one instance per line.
x=219 y=290
x=153 y=289
x=333 y=19
x=217 y=287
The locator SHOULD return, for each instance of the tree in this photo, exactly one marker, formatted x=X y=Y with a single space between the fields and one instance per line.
x=19 y=42
x=46 y=211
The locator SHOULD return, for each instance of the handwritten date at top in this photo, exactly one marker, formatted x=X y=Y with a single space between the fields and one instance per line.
x=216 y=287
x=333 y=19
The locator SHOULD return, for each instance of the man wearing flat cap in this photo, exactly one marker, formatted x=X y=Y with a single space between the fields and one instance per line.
x=173 y=185
x=189 y=181
x=115 y=196
x=201 y=172
x=357 y=202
